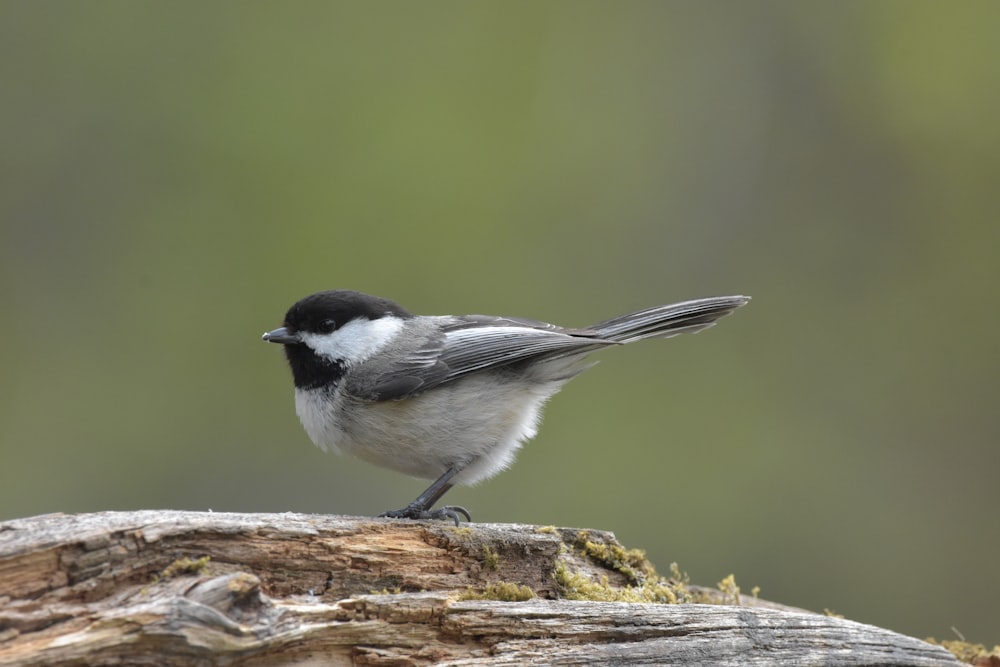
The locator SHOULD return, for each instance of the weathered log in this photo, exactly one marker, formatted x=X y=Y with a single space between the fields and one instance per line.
x=190 y=588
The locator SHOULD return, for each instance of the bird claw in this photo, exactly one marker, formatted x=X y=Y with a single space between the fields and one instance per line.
x=448 y=512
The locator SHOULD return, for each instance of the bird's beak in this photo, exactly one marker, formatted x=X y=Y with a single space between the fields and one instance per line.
x=282 y=336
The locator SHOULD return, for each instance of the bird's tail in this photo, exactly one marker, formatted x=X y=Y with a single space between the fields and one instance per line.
x=666 y=321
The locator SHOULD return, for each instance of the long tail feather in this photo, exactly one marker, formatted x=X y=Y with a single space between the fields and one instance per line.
x=666 y=321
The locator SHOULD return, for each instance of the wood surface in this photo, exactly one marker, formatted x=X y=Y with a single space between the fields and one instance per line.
x=201 y=588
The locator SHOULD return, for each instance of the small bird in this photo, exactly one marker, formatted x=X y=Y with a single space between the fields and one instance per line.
x=450 y=397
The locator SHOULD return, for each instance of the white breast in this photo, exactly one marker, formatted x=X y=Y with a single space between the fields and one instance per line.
x=424 y=435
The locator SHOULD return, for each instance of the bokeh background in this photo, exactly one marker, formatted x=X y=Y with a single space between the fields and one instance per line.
x=175 y=175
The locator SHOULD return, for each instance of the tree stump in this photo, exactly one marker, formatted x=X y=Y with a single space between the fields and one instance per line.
x=195 y=588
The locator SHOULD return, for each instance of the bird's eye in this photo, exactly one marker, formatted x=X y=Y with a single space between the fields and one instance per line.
x=327 y=326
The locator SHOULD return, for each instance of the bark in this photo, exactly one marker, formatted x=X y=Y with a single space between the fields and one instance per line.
x=190 y=588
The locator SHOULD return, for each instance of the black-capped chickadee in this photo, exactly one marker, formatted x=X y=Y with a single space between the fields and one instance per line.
x=451 y=397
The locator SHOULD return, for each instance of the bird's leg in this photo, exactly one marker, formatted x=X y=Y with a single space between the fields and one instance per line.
x=421 y=507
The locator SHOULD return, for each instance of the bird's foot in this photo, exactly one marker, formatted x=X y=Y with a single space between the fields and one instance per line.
x=448 y=512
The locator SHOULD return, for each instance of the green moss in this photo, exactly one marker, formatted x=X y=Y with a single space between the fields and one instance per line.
x=730 y=591
x=968 y=652
x=547 y=529
x=503 y=591
x=183 y=566
x=643 y=583
x=578 y=586
x=491 y=560
x=630 y=562
x=464 y=531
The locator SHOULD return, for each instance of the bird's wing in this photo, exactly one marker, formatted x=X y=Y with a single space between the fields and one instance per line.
x=474 y=343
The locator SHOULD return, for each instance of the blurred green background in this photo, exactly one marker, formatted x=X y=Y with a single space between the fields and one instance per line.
x=175 y=175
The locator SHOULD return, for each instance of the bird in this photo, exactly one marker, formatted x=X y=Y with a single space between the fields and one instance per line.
x=449 y=398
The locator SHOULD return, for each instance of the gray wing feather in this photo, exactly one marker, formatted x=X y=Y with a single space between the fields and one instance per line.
x=456 y=346
x=470 y=344
x=473 y=349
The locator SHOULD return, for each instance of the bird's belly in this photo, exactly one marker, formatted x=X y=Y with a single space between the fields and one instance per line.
x=474 y=423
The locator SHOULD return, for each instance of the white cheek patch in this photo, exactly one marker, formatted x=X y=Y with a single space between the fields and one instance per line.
x=355 y=341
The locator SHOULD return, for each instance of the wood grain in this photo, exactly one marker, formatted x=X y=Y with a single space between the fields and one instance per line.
x=193 y=588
